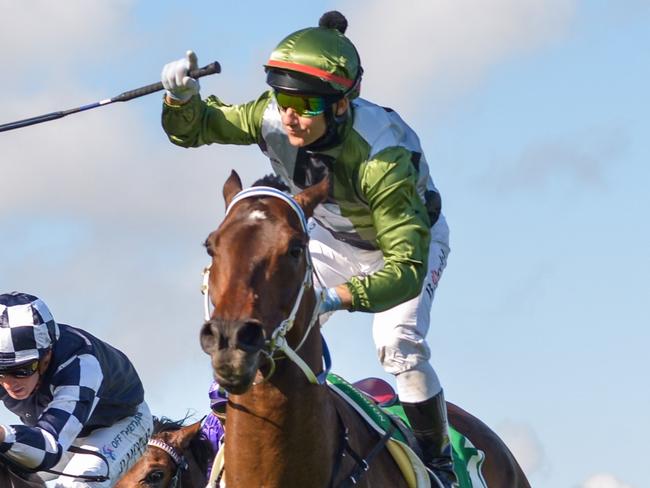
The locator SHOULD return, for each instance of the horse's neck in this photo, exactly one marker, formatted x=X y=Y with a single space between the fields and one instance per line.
x=279 y=437
x=286 y=400
x=286 y=428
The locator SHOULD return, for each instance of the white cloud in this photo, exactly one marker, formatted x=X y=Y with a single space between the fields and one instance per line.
x=40 y=29
x=116 y=164
x=524 y=444
x=604 y=481
x=441 y=48
x=109 y=162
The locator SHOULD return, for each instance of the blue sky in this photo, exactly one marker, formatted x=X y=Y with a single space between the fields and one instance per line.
x=533 y=116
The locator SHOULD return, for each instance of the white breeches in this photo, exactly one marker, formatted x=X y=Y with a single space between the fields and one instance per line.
x=400 y=332
x=120 y=445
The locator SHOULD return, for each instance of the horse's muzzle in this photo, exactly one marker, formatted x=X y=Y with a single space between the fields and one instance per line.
x=234 y=348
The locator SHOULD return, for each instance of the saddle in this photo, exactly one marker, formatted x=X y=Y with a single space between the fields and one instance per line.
x=376 y=400
x=379 y=390
x=385 y=396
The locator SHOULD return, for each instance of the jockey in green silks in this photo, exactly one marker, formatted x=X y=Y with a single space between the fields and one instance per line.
x=379 y=243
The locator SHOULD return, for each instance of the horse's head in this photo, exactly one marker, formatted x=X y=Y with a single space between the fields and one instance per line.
x=259 y=264
x=164 y=461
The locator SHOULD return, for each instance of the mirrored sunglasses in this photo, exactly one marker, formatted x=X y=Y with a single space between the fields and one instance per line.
x=22 y=371
x=303 y=105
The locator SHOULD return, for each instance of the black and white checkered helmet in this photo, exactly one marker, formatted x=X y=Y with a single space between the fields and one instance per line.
x=27 y=329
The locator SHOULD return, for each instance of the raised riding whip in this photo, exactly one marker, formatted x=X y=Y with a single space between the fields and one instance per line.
x=122 y=97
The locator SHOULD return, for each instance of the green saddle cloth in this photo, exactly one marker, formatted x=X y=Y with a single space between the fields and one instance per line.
x=468 y=460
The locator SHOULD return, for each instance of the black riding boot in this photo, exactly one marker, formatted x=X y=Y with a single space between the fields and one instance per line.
x=428 y=421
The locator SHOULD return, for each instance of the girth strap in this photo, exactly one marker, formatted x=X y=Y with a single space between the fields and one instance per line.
x=362 y=464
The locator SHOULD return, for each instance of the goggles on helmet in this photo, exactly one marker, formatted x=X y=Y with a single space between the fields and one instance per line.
x=303 y=105
x=22 y=371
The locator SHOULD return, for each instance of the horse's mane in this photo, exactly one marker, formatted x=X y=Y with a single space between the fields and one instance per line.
x=273 y=181
x=199 y=446
x=164 y=424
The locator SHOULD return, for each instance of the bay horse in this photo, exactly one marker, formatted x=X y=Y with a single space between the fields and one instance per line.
x=176 y=456
x=285 y=428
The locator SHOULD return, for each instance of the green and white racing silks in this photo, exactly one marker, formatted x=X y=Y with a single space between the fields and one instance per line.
x=381 y=197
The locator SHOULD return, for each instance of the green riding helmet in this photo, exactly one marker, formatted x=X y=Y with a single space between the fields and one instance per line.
x=317 y=61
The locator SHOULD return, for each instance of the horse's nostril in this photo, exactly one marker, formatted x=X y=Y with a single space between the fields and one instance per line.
x=220 y=335
x=250 y=336
x=212 y=337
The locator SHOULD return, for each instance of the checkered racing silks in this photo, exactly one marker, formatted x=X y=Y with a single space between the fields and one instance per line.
x=88 y=385
x=27 y=329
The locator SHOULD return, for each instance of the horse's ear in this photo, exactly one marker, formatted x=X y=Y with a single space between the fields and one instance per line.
x=231 y=187
x=184 y=435
x=312 y=196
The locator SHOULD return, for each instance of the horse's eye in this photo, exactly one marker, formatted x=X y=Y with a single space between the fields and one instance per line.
x=154 y=477
x=296 y=250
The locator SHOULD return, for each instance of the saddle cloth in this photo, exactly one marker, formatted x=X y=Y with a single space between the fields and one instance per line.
x=375 y=400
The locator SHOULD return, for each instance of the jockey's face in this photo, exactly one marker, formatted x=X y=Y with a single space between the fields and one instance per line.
x=303 y=131
x=19 y=388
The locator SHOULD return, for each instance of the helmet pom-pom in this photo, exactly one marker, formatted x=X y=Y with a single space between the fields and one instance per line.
x=333 y=20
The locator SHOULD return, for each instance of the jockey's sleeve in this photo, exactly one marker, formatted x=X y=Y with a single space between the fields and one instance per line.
x=388 y=183
x=74 y=387
x=200 y=122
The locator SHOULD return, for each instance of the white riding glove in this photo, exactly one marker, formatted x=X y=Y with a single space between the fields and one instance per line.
x=175 y=79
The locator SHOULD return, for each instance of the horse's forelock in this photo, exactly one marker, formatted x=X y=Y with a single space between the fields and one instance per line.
x=273 y=181
x=164 y=424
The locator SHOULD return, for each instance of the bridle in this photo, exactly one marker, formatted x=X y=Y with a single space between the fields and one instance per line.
x=177 y=457
x=278 y=341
